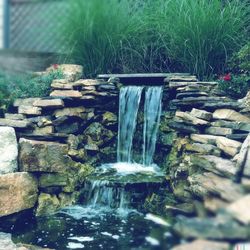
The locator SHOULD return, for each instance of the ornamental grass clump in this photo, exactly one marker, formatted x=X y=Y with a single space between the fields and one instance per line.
x=201 y=35
x=96 y=31
x=122 y=36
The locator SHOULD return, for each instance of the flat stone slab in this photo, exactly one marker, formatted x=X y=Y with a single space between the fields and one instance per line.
x=203 y=245
x=15 y=123
x=206 y=149
x=209 y=183
x=228 y=146
x=194 y=120
x=49 y=103
x=240 y=210
x=231 y=115
x=218 y=131
x=221 y=105
x=25 y=102
x=18 y=191
x=29 y=110
x=66 y=93
x=214 y=164
x=236 y=125
x=210 y=228
x=207 y=139
x=14 y=116
x=202 y=114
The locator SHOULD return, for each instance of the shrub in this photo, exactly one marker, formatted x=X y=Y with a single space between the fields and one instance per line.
x=26 y=85
x=235 y=86
x=166 y=35
x=240 y=62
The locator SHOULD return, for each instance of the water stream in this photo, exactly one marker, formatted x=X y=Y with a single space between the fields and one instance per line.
x=129 y=102
x=152 y=114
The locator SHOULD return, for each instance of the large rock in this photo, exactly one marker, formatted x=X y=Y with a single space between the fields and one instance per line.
x=6 y=243
x=219 y=228
x=230 y=115
x=18 y=191
x=71 y=72
x=214 y=204
x=99 y=135
x=47 y=204
x=243 y=159
x=214 y=164
x=203 y=245
x=208 y=183
x=43 y=156
x=8 y=150
x=240 y=209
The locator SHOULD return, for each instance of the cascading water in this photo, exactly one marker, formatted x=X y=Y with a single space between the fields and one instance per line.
x=152 y=114
x=128 y=108
x=104 y=193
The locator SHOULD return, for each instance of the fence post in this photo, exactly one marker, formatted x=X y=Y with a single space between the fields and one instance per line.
x=6 y=24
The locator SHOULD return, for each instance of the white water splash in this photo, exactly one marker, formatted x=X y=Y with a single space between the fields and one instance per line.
x=156 y=219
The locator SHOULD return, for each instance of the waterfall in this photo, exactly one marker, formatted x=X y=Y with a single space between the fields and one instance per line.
x=103 y=193
x=107 y=194
x=128 y=108
x=152 y=114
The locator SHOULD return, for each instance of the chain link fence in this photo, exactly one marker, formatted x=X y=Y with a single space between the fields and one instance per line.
x=36 y=25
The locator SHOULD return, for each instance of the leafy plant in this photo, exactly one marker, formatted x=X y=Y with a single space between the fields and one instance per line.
x=240 y=62
x=26 y=85
x=235 y=86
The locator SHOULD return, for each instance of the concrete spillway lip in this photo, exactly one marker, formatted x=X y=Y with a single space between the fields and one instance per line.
x=141 y=78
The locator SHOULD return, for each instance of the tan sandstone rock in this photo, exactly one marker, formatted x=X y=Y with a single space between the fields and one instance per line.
x=43 y=156
x=18 y=191
x=230 y=115
x=240 y=209
x=203 y=245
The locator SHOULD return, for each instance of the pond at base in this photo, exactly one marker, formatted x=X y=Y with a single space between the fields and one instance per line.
x=79 y=227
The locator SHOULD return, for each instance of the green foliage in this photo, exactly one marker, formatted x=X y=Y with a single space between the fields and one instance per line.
x=96 y=31
x=166 y=35
x=24 y=86
x=240 y=62
x=237 y=87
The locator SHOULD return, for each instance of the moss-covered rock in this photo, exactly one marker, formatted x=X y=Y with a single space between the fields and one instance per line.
x=47 y=204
